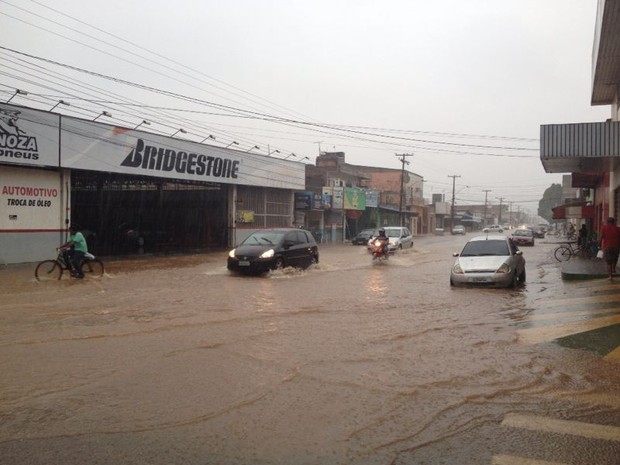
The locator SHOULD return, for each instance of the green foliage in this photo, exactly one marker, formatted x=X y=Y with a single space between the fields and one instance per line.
x=552 y=197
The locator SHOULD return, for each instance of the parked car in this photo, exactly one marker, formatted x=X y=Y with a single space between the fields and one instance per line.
x=493 y=228
x=458 y=229
x=364 y=236
x=522 y=236
x=399 y=238
x=490 y=261
x=270 y=249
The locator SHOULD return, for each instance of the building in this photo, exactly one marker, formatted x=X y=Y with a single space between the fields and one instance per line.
x=591 y=151
x=130 y=191
x=348 y=198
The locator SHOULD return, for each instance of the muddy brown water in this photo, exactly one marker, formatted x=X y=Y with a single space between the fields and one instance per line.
x=172 y=360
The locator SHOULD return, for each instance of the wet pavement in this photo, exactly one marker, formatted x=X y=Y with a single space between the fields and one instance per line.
x=172 y=360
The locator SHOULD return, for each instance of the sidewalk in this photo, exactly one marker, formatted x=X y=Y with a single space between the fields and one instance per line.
x=577 y=268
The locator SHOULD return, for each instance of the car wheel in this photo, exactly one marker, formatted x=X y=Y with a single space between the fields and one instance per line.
x=515 y=281
x=315 y=259
x=279 y=264
x=451 y=283
x=522 y=277
x=400 y=247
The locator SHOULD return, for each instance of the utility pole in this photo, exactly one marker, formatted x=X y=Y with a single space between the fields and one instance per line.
x=454 y=176
x=403 y=160
x=484 y=219
x=499 y=218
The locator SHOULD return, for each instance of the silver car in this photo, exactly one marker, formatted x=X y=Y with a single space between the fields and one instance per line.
x=399 y=238
x=489 y=261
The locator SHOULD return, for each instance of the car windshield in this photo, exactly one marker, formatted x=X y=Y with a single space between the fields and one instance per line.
x=484 y=248
x=522 y=232
x=264 y=238
x=392 y=232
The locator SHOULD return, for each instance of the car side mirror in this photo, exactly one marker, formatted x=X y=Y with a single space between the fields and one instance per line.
x=455 y=254
x=519 y=252
x=287 y=244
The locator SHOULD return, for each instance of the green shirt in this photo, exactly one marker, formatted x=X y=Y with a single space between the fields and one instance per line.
x=79 y=243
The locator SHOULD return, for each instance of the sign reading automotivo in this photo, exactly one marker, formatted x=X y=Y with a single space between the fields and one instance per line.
x=29 y=196
x=30 y=199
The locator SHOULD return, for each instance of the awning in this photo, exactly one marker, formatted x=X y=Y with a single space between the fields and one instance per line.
x=565 y=212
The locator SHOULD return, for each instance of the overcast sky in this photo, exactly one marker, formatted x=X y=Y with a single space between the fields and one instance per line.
x=463 y=85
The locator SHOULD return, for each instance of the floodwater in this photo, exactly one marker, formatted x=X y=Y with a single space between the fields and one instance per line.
x=172 y=360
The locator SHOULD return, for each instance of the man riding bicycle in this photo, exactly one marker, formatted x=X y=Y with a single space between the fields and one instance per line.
x=75 y=249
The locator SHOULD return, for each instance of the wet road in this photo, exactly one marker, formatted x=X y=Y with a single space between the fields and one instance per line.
x=174 y=361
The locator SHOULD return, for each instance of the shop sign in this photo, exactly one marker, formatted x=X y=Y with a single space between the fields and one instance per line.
x=30 y=199
x=338 y=198
x=303 y=200
x=245 y=216
x=328 y=194
x=354 y=198
x=95 y=146
x=372 y=198
x=28 y=137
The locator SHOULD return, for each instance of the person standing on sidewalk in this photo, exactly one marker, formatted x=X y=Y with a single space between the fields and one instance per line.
x=609 y=242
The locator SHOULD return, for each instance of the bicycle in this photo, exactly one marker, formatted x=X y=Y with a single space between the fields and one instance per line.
x=54 y=269
x=566 y=251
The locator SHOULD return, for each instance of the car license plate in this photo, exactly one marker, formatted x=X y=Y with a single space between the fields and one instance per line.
x=244 y=263
x=479 y=280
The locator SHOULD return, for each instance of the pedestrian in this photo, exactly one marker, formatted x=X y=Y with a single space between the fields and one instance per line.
x=76 y=248
x=582 y=239
x=609 y=242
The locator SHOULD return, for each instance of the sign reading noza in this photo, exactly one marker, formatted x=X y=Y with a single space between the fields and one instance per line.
x=28 y=137
x=151 y=157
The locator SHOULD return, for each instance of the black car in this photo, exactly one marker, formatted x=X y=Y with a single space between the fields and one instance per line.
x=271 y=249
x=363 y=237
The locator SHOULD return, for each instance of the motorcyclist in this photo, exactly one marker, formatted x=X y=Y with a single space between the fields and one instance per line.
x=384 y=240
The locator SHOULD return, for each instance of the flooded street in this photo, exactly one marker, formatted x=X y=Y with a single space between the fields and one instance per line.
x=173 y=360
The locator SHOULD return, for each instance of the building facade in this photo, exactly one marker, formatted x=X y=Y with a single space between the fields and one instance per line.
x=130 y=191
x=591 y=151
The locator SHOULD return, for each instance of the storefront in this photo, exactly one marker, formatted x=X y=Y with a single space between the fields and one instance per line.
x=130 y=191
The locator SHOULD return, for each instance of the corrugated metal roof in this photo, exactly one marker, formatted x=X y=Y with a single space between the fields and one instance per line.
x=580 y=147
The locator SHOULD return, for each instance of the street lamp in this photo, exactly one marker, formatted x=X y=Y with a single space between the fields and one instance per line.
x=234 y=142
x=252 y=148
x=291 y=155
x=17 y=91
x=181 y=130
x=60 y=102
x=103 y=113
x=273 y=151
x=145 y=122
x=208 y=137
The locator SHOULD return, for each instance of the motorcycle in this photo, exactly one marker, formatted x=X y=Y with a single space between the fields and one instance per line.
x=379 y=250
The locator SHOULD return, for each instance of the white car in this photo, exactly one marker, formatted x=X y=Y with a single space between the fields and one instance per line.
x=492 y=260
x=399 y=238
x=493 y=228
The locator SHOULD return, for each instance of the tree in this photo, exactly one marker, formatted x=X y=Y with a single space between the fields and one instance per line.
x=552 y=197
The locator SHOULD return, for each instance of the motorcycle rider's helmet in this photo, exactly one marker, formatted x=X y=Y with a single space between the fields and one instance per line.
x=381 y=232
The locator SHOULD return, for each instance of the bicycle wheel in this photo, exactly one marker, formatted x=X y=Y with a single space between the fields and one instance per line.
x=48 y=270
x=93 y=268
x=563 y=254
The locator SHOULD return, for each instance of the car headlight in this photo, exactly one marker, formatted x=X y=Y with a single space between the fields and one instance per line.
x=231 y=254
x=393 y=243
x=505 y=268
x=457 y=269
x=267 y=254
